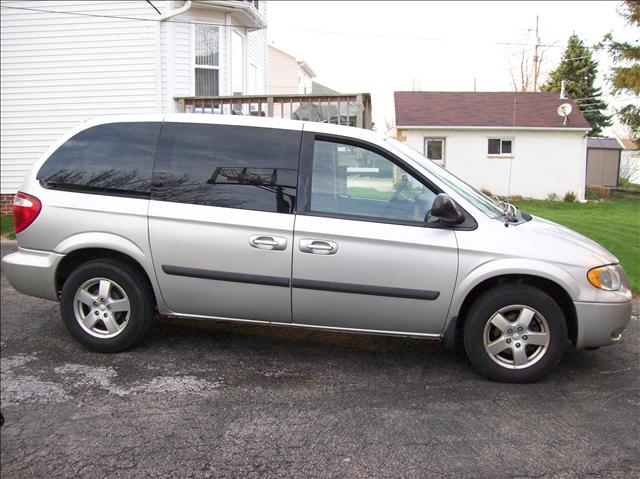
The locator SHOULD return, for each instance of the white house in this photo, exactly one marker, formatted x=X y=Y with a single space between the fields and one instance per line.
x=507 y=143
x=66 y=61
x=287 y=74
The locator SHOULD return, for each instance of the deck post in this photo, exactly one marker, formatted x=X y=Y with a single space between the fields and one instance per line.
x=270 y=106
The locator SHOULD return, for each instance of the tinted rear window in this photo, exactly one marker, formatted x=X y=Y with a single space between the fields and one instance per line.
x=116 y=157
x=227 y=166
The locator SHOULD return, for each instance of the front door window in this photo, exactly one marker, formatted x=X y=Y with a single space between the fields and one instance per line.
x=353 y=181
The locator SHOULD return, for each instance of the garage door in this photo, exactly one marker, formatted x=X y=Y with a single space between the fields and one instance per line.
x=602 y=167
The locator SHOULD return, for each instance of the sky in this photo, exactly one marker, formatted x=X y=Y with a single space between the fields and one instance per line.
x=380 y=47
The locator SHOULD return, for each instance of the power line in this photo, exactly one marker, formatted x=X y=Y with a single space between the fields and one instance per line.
x=154 y=7
x=120 y=17
x=324 y=32
x=411 y=37
x=595 y=99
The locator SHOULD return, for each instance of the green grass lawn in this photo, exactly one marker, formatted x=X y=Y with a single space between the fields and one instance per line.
x=7 y=226
x=614 y=223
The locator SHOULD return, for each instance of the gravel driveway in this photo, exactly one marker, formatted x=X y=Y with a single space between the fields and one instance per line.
x=205 y=399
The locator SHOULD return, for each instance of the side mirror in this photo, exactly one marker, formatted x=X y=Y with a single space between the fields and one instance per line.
x=445 y=211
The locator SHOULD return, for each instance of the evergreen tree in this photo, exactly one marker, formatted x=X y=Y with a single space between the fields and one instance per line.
x=579 y=70
x=625 y=77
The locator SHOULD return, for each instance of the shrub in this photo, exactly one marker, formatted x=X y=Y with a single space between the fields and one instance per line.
x=486 y=192
x=569 y=197
x=595 y=192
x=552 y=196
x=624 y=182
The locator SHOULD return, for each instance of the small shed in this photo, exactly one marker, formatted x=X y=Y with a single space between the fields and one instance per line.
x=603 y=161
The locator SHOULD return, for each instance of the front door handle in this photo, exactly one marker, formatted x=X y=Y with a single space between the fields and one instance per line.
x=318 y=246
x=268 y=242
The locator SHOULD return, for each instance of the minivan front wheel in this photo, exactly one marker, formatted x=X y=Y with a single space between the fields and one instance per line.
x=107 y=305
x=515 y=333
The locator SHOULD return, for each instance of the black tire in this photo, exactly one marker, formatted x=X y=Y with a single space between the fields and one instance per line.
x=136 y=288
x=494 y=300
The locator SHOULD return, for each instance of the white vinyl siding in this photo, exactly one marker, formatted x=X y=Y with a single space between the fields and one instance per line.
x=237 y=62
x=177 y=62
x=59 y=69
x=257 y=55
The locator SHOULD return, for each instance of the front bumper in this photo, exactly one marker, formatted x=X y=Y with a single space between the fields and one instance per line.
x=33 y=272
x=601 y=324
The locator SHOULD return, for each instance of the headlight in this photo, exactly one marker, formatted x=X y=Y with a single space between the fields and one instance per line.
x=605 y=277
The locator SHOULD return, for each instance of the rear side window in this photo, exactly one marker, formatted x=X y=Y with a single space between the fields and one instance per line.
x=113 y=158
x=227 y=166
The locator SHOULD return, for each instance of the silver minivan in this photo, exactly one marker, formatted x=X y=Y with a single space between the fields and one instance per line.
x=301 y=224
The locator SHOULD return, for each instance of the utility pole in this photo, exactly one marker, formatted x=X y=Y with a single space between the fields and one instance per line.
x=536 y=59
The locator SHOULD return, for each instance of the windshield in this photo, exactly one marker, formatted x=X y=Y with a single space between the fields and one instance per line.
x=473 y=196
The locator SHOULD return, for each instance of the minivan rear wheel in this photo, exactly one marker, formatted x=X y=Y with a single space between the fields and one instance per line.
x=515 y=333
x=107 y=305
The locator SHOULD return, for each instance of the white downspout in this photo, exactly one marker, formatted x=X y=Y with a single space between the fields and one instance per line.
x=184 y=8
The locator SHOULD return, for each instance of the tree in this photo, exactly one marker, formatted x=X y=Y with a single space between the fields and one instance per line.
x=525 y=74
x=625 y=76
x=579 y=70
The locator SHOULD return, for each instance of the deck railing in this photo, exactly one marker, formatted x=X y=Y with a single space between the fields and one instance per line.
x=343 y=109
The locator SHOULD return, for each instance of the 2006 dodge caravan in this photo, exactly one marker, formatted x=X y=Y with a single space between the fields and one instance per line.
x=301 y=224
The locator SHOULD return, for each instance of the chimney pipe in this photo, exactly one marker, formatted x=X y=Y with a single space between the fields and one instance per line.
x=563 y=90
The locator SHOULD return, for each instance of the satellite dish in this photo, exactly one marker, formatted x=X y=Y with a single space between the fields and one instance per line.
x=564 y=110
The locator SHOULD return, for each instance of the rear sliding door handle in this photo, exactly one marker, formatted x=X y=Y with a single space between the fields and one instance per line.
x=318 y=246
x=268 y=242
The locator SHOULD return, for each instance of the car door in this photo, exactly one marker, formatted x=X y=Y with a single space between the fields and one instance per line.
x=221 y=219
x=364 y=257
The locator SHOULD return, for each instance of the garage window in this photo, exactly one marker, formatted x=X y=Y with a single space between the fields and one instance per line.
x=500 y=146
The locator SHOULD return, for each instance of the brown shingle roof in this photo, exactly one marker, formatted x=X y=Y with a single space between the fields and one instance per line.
x=490 y=109
x=630 y=144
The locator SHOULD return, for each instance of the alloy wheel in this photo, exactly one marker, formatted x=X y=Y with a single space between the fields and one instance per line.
x=102 y=307
x=516 y=337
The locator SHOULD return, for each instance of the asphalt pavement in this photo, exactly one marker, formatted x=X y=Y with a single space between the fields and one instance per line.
x=208 y=399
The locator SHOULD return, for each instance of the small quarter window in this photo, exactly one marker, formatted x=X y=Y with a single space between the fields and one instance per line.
x=112 y=158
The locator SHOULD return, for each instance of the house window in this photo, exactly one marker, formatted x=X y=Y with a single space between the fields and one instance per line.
x=434 y=149
x=207 y=61
x=500 y=146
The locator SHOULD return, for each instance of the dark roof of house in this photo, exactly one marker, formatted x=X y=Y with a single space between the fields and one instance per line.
x=603 y=143
x=484 y=109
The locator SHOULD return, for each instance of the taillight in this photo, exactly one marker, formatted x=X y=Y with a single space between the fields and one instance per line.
x=25 y=210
